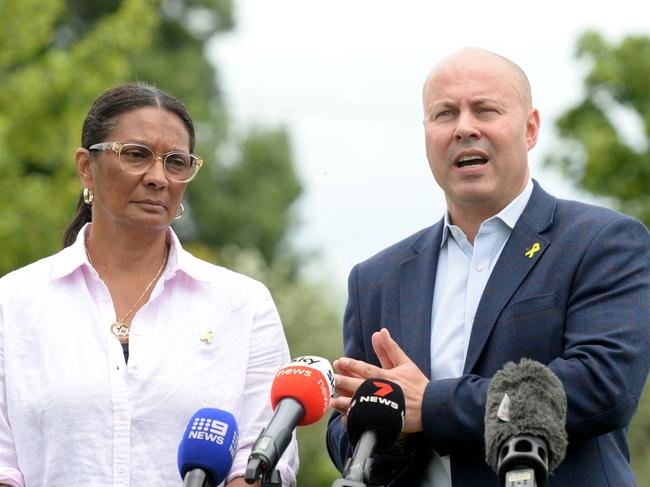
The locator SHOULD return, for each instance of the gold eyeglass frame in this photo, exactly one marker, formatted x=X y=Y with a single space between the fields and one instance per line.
x=117 y=148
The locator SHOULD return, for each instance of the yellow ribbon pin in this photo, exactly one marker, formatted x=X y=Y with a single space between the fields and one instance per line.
x=207 y=338
x=533 y=249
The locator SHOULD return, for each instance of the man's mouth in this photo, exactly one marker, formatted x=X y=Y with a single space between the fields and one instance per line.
x=470 y=161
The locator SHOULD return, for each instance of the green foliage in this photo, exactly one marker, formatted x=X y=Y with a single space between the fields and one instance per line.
x=594 y=151
x=245 y=202
x=311 y=320
x=57 y=56
x=45 y=93
x=597 y=154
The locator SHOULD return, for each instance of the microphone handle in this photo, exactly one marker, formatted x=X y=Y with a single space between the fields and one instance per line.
x=521 y=476
x=196 y=478
x=273 y=440
x=362 y=452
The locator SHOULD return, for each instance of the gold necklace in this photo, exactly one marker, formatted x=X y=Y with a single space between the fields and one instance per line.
x=120 y=329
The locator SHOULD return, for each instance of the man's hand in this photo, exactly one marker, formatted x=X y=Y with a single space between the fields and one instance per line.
x=395 y=366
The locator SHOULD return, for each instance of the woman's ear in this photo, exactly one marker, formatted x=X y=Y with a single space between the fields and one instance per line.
x=83 y=160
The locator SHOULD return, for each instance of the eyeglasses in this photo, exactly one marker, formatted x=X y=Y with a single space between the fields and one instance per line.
x=179 y=166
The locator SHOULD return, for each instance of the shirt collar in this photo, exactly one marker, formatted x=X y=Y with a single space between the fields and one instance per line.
x=181 y=260
x=73 y=257
x=509 y=215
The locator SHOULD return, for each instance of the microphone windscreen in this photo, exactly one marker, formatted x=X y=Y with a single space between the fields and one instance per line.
x=535 y=405
x=378 y=405
x=209 y=443
x=310 y=381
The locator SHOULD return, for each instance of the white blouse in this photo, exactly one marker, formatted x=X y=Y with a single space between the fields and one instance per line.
x=72 y=413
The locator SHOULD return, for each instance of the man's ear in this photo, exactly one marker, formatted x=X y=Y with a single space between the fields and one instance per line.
x=532 y=128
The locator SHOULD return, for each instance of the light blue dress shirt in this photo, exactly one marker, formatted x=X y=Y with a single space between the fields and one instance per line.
x=461 y=276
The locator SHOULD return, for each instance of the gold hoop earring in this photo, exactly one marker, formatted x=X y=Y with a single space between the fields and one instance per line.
x=179 y=213
x=88 y=196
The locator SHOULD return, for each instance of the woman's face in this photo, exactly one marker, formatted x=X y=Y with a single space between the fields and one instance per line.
x=145 y=200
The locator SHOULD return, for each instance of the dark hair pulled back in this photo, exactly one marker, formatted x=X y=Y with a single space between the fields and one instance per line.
x=100 y=121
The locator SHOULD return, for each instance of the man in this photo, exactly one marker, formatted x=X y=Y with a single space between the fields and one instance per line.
x=509 y=272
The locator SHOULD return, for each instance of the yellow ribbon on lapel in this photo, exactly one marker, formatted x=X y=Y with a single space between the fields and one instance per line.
x=533 y=249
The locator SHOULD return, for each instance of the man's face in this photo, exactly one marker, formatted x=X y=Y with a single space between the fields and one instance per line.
x=478 y=130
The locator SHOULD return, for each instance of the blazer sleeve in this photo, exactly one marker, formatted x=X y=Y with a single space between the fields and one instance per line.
x=605 y=357
x=338 y=444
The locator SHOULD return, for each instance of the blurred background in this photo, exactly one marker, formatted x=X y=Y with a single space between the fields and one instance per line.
x=309 y=117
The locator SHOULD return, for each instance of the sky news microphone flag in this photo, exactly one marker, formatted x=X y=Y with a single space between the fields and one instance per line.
x=310 y=381
x=300 y=395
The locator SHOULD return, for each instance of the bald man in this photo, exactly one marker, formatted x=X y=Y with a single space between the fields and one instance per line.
x=508 y=272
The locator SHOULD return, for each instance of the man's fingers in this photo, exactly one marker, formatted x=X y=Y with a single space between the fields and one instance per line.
x=341 y=404
x=356 y=368
x=346 y=386
x=386 y=347
x=380 y=351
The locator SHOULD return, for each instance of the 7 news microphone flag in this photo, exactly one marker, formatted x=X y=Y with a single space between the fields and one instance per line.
x=375 y=420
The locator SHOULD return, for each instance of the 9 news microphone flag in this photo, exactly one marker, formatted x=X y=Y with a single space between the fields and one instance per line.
x=208 y=447
x=525 y=415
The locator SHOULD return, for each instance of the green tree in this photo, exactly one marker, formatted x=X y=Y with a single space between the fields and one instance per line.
x=56 y=56
x=46 y=89
x=596 y=149
x=604 y=149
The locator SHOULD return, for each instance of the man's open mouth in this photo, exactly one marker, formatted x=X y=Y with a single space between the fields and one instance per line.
x=470 y=161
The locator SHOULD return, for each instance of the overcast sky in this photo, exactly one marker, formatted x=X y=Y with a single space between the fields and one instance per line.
x=345 y=78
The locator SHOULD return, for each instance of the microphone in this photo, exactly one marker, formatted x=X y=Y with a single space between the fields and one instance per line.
x=525 y=414
x=375 y=420
x=208 y=447
x=300 y=395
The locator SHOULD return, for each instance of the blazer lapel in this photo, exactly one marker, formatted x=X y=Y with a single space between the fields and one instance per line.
x=416 y=281
x=524 y=248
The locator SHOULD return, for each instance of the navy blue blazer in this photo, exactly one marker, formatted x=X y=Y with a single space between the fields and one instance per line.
x=580 y=305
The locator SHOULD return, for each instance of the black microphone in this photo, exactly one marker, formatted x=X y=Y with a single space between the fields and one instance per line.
x=525 y=415
x=375 y=420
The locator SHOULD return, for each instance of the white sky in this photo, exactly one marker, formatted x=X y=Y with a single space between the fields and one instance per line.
x=345 y=79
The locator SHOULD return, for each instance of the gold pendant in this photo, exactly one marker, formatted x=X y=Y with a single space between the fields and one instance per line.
x=120 y=330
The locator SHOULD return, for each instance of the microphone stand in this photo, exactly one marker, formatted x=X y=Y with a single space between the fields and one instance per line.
x=271 y=478
x=355 y=471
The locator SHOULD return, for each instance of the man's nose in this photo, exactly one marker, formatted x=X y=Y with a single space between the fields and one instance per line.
x=466 y=127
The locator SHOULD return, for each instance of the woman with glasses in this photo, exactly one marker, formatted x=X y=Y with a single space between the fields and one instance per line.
x=109 y=347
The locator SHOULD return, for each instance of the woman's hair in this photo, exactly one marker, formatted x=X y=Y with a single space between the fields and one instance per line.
x=101 y=120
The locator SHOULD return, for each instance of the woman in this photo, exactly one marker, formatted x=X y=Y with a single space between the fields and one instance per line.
x=123 y=291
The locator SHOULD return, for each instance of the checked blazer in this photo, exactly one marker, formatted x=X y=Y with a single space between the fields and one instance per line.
x=580 y=304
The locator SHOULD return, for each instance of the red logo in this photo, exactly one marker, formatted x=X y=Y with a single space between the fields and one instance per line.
x=384 y=389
